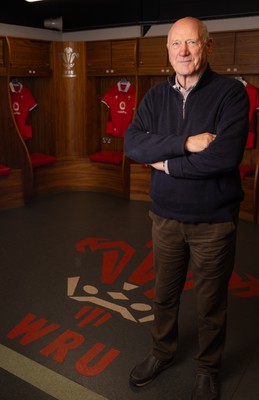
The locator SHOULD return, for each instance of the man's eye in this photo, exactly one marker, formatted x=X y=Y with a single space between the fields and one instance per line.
x=192 y=43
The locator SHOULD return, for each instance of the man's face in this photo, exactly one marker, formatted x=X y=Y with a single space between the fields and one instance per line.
x=187 y=51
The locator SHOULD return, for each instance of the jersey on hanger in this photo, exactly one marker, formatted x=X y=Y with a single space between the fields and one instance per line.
x=120 y=98
x=22 y=102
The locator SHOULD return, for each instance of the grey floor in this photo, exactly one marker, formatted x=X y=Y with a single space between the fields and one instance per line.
x=76 y=297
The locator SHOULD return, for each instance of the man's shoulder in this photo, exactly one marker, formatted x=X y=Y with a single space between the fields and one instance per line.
x=226 y=80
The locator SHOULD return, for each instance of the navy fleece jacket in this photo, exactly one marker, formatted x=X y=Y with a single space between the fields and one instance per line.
x=203 y=186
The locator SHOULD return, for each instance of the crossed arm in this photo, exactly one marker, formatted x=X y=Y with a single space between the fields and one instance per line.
x=193 y=144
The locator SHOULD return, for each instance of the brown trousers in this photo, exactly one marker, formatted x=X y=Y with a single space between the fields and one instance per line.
x=209 y=250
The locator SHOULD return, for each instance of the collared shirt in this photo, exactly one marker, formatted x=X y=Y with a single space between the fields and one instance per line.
x=182 y=90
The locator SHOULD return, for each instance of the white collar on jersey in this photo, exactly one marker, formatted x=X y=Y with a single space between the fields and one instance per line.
x=16 y=87
x=123 y=86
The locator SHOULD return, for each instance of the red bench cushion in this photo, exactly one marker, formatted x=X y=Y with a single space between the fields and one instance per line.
x=107 y=156
x=4 y=170
x=39 y=159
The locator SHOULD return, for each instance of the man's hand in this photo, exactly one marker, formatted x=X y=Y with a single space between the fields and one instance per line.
x=158 y=165
x=200 y=142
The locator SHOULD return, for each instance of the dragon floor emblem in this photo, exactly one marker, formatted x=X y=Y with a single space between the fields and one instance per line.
x=135 y=289
x=115 y=259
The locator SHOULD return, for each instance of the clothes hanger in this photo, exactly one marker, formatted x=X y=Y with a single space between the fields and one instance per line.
x=123 y=80
x=241 y=79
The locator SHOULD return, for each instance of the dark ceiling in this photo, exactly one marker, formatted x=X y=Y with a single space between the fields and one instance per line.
x=94 y=14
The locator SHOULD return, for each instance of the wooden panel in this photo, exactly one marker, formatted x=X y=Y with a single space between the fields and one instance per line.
x=42 y=117
x=93 y=115
x=153 y=56
x=29 y=57
x=235 y=52
x=3 y=55
x=2 y=61
x=124 y=56
x=139 y=182
x=222 y=50
x=111 y=57
x=152 y=51
x=247 y=205
x=11 y=190
x=98 y=56
x=4 y=49
x=81 y=174
x=247 y=49
x=69 y=101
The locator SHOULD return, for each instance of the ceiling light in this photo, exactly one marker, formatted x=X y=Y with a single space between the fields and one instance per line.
x=32 y=1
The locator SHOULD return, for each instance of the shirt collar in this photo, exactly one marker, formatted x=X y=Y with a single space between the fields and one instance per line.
x=186 y=91
x=181 y=89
